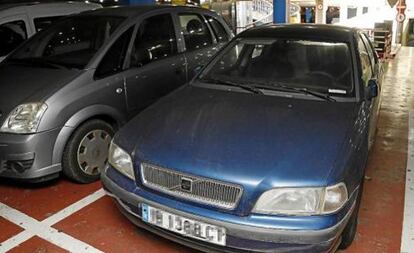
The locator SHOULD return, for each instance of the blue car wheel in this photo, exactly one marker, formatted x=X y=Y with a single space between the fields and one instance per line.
x=348 y=235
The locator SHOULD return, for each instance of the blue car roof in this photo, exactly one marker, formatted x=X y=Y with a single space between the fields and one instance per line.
x=324 y=32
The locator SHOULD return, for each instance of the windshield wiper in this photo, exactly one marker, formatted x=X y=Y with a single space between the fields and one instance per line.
x=281 y=87
x=252 y=89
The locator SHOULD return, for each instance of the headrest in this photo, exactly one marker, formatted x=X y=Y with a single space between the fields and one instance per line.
x=194 y=26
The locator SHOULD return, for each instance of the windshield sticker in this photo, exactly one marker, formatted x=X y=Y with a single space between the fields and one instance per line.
x=337 y=91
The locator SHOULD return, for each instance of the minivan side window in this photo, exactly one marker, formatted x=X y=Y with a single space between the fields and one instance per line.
x=114 y=58
x=219 y=31
x=44 y=22
x=155 y=40
x=195 y=31
x=12 y=34
x=365 y=62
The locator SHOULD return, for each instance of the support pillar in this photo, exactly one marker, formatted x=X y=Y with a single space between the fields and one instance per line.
x=343 y=12
x=280 y=11
x=320 y=12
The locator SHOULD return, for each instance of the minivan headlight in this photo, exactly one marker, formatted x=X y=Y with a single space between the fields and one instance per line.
x=24 y=119
x=121 y=161
x=302 y=201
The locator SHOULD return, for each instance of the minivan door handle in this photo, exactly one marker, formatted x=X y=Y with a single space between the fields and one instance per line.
x=119 y=90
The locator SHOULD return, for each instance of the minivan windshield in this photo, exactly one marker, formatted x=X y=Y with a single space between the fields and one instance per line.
x=285 y=64
x=71 y=43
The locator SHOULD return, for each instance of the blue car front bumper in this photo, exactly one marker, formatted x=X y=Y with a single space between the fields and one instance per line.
x=240 y=237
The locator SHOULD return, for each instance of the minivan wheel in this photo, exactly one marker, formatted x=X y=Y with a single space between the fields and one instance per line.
x=86 y=152
x=348 y=235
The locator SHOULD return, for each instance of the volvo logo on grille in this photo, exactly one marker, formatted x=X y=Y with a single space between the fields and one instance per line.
x=186 y=184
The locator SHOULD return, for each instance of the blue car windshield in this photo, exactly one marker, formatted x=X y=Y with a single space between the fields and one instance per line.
x=324 y=67
x=70 y=43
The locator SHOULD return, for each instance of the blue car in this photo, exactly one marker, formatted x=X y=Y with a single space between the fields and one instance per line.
x=264 y=151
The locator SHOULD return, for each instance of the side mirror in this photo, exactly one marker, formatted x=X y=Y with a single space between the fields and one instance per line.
x=197 y=69
x=372 y=89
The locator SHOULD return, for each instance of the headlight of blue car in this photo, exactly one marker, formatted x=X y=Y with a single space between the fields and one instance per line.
x=121 y=161
x=302 y=201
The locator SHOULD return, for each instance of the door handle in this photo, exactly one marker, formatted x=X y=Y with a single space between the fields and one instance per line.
x=119 y=90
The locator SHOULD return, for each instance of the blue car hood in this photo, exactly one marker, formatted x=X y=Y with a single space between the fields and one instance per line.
x=256 y=141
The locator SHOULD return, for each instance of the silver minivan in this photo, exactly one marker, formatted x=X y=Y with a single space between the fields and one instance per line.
x=66 y=90
x=19 y=21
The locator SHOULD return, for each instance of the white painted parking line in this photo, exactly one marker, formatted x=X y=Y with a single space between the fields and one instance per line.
x=15 y=240
x=407 y=239
x=44 y=230
x=62 y=214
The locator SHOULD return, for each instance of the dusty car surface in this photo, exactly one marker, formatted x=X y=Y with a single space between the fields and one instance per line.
x=19 y=21
x=64 y=92
x=264 y=151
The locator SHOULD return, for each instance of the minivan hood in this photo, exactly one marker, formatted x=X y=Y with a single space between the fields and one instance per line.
x=21 y=84
x=256 y=141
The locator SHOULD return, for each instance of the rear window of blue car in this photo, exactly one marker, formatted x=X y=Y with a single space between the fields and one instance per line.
x=314 y=65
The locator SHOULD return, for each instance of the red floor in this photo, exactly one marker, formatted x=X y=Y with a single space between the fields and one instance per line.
x=104 y=228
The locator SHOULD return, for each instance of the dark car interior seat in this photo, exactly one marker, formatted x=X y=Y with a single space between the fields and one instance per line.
x=153 y=42
x=195 y=36
x=334 y=61
x=301 y=62
x=272 y=63
x=194 y=26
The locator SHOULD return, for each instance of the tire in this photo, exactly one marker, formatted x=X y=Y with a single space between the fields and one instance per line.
x=349 y=232
x=371 y=139
x=86 y=152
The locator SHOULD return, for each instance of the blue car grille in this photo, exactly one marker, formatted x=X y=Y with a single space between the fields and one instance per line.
x=198 y=189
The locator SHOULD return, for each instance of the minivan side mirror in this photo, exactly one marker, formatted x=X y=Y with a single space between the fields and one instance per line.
x=372 y=89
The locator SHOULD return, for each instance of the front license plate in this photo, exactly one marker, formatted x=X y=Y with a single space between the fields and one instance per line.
x=186 y=227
